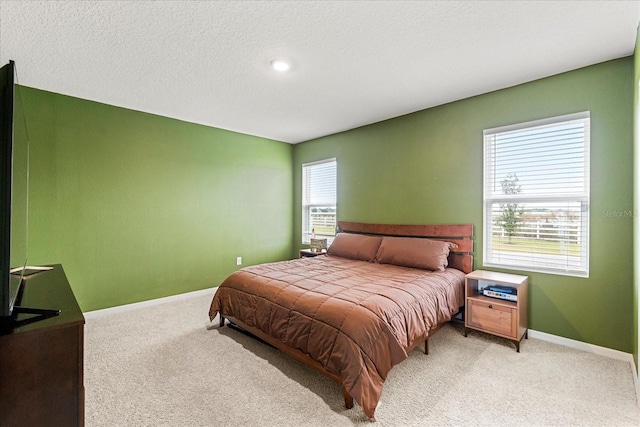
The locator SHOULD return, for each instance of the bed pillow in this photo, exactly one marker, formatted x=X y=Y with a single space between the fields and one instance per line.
x=355 y=246
x=414 y=252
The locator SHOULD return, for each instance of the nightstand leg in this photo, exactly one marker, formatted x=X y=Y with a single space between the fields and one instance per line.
x=465 y=331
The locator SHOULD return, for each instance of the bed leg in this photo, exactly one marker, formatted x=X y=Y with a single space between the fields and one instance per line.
x=221 y=320
x=426 y=346
x=348 y=400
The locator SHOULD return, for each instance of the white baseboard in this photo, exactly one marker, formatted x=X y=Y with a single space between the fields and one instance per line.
x=591 y=348
x=579 y=345
x=137 y=305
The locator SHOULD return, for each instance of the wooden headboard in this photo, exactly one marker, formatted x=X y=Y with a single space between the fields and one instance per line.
x=460 y=234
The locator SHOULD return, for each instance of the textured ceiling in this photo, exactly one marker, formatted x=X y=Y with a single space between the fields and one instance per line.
x=354 y=62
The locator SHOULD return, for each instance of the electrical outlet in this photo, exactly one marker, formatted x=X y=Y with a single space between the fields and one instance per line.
x=239 y=260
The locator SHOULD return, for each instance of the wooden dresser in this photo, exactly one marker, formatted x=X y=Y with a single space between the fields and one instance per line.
x=41 y=363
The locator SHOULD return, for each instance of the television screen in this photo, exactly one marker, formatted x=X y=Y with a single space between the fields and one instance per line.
x=14 y=188
x=19 y=191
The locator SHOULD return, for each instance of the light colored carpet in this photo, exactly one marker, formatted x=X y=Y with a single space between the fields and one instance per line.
x=166 y=365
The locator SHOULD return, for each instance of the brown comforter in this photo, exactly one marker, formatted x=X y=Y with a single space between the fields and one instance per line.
x=356 y=318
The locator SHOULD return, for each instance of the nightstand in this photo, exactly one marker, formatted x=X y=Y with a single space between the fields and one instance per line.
x=505 y=318
x=308 y=253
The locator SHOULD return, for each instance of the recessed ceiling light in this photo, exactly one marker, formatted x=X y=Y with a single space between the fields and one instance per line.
x=280 y=65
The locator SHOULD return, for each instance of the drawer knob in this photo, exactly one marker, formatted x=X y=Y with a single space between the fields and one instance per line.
x=490 y=306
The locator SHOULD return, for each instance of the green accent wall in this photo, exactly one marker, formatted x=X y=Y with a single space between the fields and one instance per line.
x=136 y=206
x=426 y=167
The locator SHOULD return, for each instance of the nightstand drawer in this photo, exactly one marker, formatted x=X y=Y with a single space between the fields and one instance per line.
x=491 y=317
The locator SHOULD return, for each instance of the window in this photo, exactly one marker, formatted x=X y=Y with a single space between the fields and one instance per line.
x=319 y=200
x=536 y=196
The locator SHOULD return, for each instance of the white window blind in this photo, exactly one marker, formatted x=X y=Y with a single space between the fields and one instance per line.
x=536 y=195
x=319 y=205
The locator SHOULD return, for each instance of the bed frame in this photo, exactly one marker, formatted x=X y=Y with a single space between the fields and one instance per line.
x=461 y=259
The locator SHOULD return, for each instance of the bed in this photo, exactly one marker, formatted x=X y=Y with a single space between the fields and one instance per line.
x=353 y=314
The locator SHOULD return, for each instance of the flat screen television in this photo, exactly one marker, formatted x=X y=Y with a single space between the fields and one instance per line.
x=14 y=182
x=14 y=198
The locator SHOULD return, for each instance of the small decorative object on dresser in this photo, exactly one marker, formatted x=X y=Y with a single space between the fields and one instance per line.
x=496 y=303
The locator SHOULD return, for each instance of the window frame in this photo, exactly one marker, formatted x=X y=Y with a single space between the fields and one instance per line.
x=582 y=197
x=305 y=231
